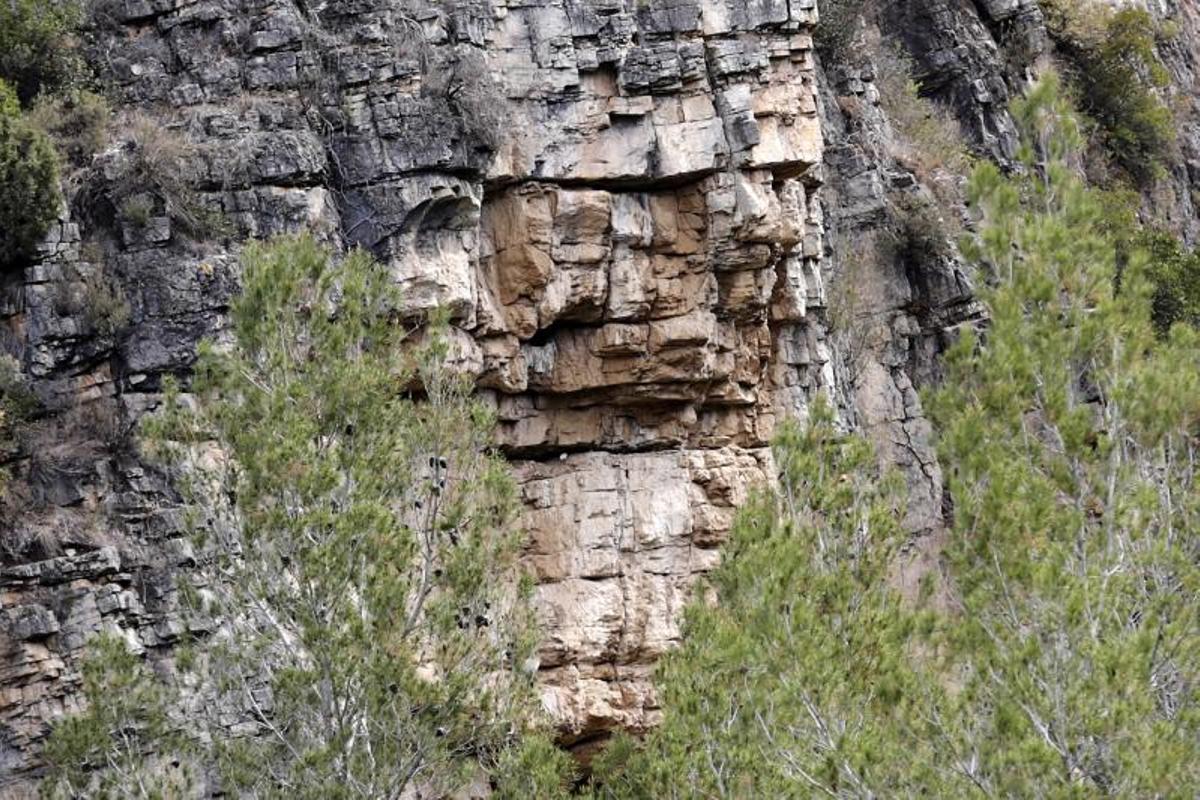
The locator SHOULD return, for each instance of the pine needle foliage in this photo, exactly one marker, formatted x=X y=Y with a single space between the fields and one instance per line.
x=115 y=748
x=1067 y=431
x=377 y=630
x=1068 y=662
x=797 y=680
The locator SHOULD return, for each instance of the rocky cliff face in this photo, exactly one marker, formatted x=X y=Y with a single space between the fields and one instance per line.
x=633 y=210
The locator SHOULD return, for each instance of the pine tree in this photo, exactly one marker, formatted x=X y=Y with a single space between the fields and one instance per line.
x=797 y=681
x=1068 y=664
x=377 y=630
x=123 y=744
x=1067 y=431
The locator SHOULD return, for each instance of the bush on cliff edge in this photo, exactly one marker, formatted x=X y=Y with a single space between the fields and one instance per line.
x=29 y=199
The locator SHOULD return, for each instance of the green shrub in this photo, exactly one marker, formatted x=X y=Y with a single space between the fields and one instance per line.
x=77 y=122
x=29 y=199
x=1118 y=91
x=837 y=27
x=137 y=210
x=920 y=229
x=17 y=403
x=1174 y=274
x=15 y=398
x=1159 y=257
x=104 y=305
x=38 y=52
x=534 y=768
x=1118 y=76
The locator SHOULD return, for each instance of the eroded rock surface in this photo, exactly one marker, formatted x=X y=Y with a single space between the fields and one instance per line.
x=618 y=201
x=640 y=215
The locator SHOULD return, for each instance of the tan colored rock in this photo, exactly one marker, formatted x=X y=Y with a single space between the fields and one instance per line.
x=653 y=326
x=518 y=228
x=625 y=228
x=616 y=541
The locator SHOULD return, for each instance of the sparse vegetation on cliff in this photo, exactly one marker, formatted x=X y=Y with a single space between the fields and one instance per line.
x=929 y=141
x=29 y=200
x=151 y=179
x=930 y=138
x=1119 y=80
x=840 y=24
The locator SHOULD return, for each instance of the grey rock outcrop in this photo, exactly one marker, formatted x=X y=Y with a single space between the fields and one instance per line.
x=641 y=216
x=618 y=203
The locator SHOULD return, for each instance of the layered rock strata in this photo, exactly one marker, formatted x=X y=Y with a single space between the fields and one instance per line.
x=645 y=217
x=616 y=200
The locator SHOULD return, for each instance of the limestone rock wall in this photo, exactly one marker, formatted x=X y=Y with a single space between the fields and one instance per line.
x=617 y=200
x=641 y=215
